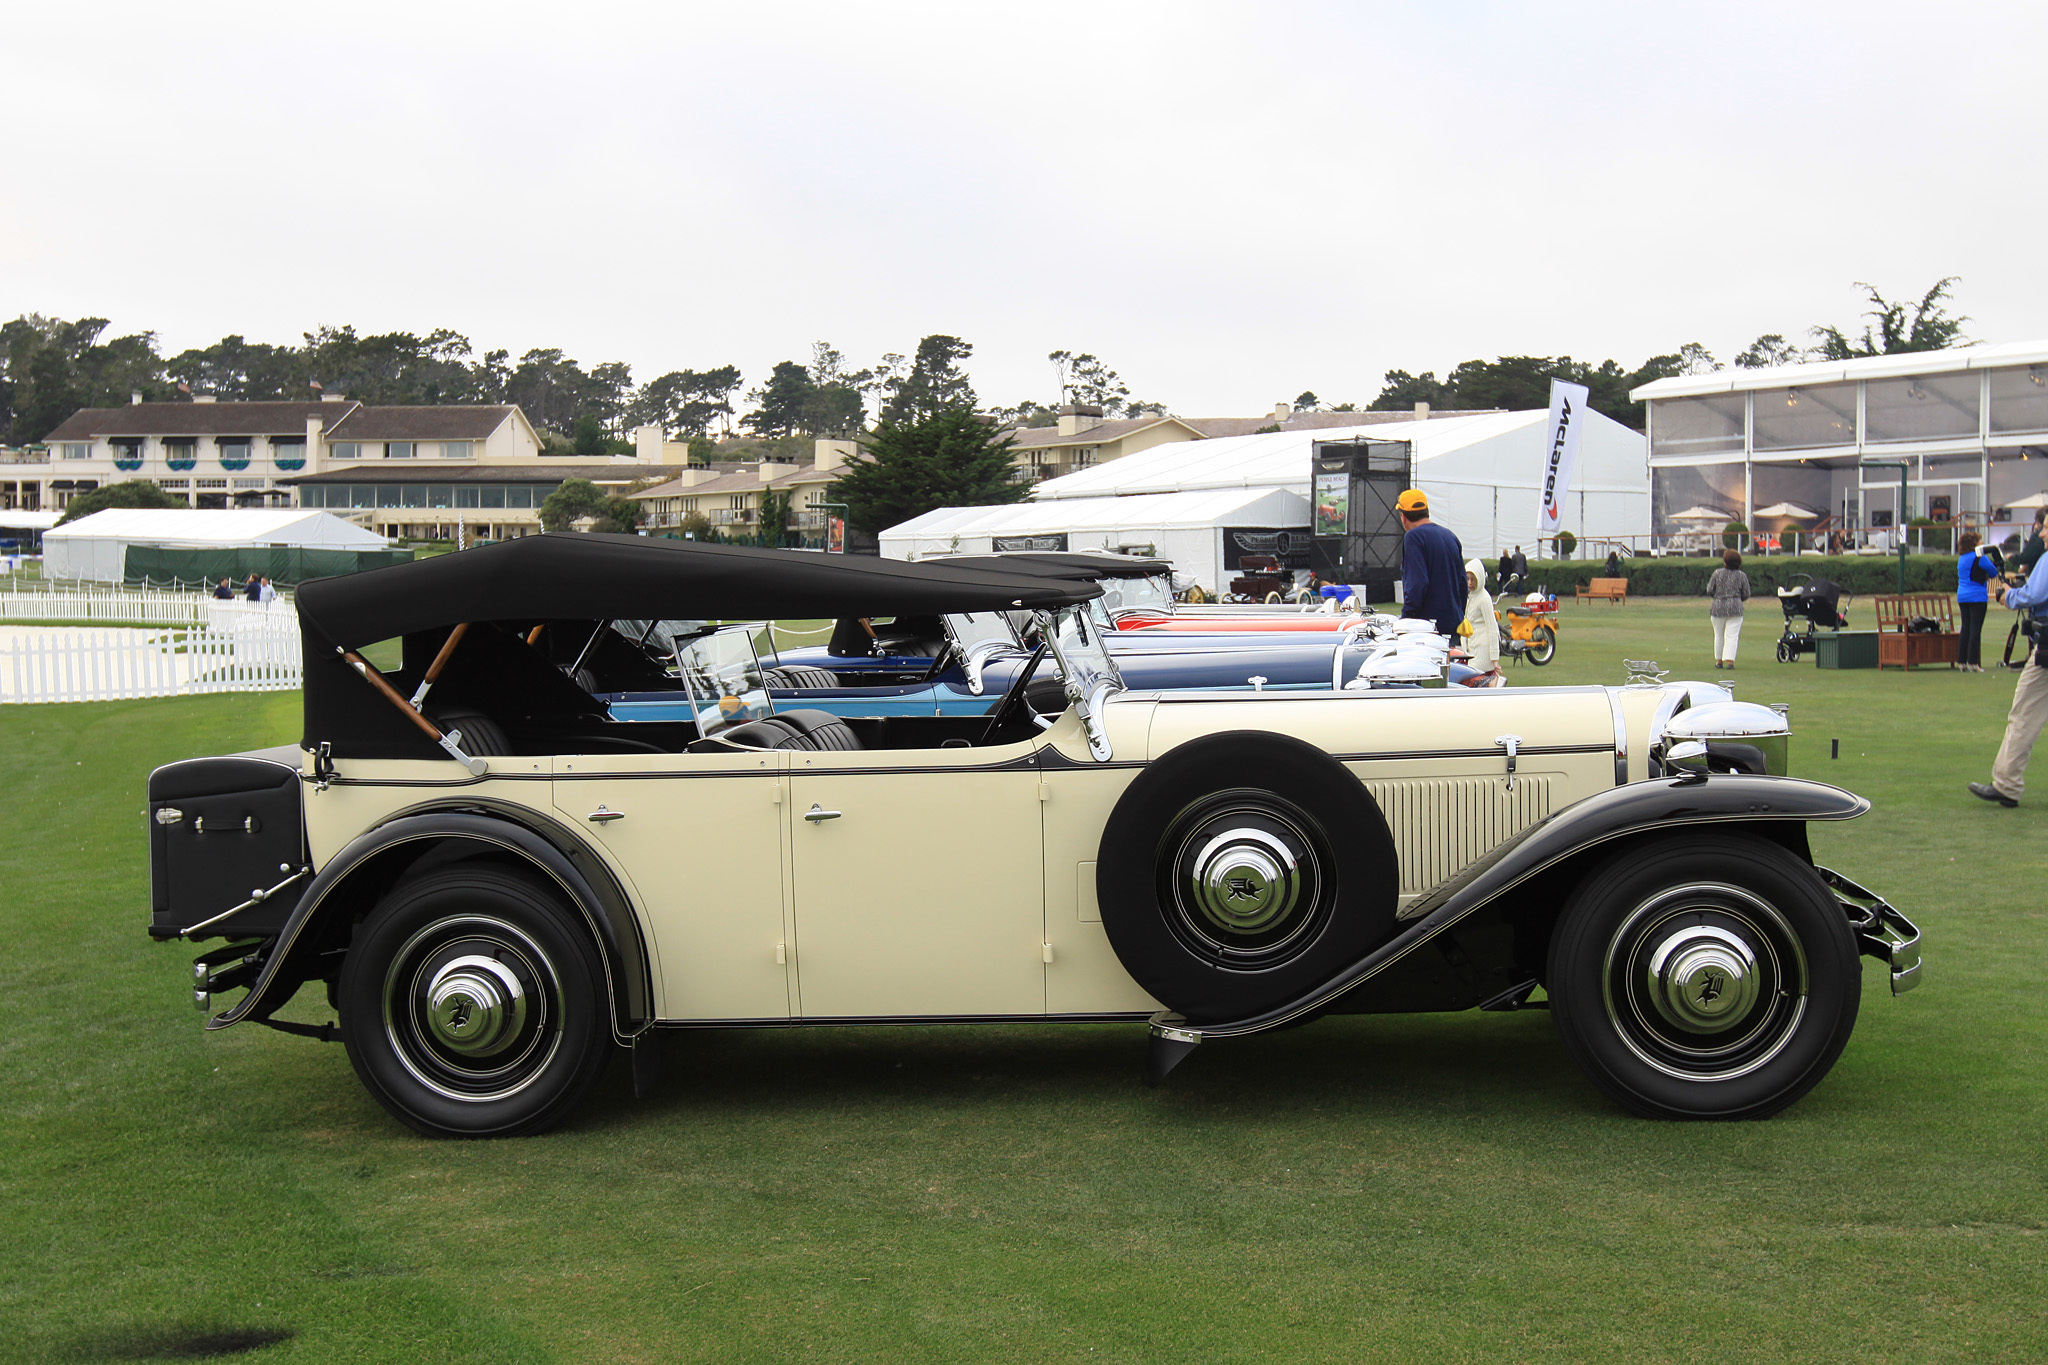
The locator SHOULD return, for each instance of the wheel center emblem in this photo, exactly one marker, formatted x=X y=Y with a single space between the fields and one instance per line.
x=458 y=1016
x=1711 y=986
x=1243 y=888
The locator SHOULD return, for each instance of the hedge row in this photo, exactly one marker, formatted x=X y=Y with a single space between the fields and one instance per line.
x=1862 y=575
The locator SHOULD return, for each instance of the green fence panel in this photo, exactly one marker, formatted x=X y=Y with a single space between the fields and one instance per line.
x=283 y=565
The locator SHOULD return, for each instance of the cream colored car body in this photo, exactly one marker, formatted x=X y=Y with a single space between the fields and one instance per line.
x=959 y=883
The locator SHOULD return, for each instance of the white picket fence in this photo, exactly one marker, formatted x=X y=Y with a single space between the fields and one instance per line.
x=136 y=606
x=245 y=652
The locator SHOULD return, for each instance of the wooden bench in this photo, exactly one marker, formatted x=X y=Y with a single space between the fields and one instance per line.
x=1899 y=648
x=1613 y=589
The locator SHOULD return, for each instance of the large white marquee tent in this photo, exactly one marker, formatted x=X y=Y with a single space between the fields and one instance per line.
x=1482 y=474
x=96 y=547
x=1187 y=528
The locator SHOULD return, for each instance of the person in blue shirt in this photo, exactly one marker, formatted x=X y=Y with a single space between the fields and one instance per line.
x=1974 y=569
x=1432 y=566
x=2029 y=699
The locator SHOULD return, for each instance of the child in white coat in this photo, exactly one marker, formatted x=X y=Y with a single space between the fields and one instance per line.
x=1483 y=644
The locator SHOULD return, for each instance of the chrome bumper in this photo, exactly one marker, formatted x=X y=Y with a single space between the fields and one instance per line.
x=1881 y=932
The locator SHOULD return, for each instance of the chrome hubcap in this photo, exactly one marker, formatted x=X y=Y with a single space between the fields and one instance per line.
x=1705 y=982
x=1701 y=978
x=472 y=1008
x=1244 y=879
x=473 y=1004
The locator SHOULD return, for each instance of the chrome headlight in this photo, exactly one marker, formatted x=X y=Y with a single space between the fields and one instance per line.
x=1727 y=736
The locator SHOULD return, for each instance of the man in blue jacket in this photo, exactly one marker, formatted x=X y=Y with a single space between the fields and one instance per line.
x=1432 y=566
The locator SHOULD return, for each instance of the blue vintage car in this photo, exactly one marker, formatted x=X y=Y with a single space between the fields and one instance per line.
x=963 y=664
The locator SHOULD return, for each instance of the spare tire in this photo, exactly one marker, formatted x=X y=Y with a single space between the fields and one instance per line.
x=1241 y=870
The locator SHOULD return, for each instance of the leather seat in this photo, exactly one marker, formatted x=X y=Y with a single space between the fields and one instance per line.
x=819 y=730
x=807 y=731
x=798 y=677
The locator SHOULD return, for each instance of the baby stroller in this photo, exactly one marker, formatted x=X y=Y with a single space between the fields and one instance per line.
x=1815 y=601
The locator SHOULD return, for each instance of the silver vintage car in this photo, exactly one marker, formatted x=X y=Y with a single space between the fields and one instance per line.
x=499 y=886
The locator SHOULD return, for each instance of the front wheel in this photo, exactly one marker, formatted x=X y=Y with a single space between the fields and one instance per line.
x=1542 y=645
x=1785 y=655
x=473 y=1005
x=1704 y=978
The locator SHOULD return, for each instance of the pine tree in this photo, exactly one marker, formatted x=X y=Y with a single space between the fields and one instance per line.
x=953 y=458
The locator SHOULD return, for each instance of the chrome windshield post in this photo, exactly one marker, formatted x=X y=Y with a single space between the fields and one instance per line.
x=1087 y=672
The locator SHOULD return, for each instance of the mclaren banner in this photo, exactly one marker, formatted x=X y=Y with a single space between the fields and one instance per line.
x=1560 y=451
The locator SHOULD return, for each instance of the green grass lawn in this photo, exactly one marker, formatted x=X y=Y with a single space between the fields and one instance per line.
x=1430 y=1188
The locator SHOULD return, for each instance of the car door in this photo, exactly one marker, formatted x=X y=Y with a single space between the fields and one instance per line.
x=700 y=841
x=917 y=882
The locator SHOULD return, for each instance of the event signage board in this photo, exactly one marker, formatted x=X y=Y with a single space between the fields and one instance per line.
x=1045 y=544
x=1560 y=451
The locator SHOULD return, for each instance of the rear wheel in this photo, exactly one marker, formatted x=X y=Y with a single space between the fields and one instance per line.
x=1786 y=653
x=473 y=1005
x=1704 y=978
x=1542 y=645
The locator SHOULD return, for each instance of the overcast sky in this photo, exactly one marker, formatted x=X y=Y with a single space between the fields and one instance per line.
x=1229 y=203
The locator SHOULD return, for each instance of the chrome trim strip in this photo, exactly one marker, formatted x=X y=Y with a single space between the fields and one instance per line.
x=256 y=899
x=1269 y=698
x=1620 y=738
x=902 y=1020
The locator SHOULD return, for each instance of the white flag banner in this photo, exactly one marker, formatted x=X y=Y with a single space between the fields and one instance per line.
x=1560 y=451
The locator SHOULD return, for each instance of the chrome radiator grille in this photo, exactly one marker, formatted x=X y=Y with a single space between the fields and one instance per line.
x=1440 y=824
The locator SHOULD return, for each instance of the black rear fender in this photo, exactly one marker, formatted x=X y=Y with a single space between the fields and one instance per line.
x=1486 y=930
x=313 y=941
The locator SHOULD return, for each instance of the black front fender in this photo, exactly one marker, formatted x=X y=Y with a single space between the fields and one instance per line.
x=1728 y=799
x=579 y=875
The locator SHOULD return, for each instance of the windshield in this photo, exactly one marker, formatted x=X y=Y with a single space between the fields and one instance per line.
x=985 y=629
x=722 y=675
x=1154 y=592
x=980 y=636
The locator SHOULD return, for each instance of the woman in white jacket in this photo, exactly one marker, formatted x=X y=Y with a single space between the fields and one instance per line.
x=1483 y=644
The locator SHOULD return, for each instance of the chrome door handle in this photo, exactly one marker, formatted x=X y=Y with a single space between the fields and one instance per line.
x=1511 y=743
x=602 y=816
x=818 y=813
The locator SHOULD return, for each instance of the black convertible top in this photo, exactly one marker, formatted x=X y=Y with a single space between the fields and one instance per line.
x=635 y=577
x=1066 y=565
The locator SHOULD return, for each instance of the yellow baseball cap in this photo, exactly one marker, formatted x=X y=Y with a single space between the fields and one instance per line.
x=1412 y=500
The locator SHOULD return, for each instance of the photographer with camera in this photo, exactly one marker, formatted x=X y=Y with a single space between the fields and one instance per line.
x=2029 y=696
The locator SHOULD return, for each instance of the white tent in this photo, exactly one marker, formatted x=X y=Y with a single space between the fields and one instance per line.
x=1482 y=473
x=1188 y=528
x=96 y=547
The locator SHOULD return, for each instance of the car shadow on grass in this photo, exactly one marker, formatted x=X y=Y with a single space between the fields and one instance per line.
x=1429 y=1065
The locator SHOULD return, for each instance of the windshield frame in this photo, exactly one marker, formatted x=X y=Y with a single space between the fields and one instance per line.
x=993 y=635
x=708 y=711
x=1087 y=671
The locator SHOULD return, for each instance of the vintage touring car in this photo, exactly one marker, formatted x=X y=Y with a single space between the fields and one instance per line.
x=499 y=885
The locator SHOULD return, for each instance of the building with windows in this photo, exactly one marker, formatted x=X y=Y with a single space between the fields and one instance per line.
x=730 y=500
x=419 y=472
x=1827 y=438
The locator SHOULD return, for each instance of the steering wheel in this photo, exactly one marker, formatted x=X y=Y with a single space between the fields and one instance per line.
x=1014 y=698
